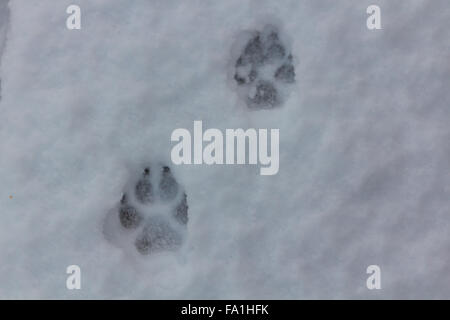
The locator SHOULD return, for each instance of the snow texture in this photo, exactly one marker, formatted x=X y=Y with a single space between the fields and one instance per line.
x=364 y=150
x=4 y=23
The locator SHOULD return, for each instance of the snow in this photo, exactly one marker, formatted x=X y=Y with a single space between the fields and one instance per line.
x=364 y=149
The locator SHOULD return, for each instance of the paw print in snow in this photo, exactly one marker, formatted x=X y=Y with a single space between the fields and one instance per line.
x=149 y=219
x=264 y=70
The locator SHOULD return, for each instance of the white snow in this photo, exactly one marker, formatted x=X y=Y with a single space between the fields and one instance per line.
x=364 y=149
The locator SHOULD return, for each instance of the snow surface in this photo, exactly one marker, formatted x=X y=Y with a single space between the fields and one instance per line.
x=364 y=149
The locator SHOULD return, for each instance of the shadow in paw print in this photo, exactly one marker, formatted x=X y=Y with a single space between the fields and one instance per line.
x=150 y=219
x=168 y=186
x=157 y=235
x=264 y=69
x=144 y=189
x=181 y=213
x=128 y=215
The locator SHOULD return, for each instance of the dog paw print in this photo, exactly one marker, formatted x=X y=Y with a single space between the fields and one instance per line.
x=264 y=70
x=152 y=214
